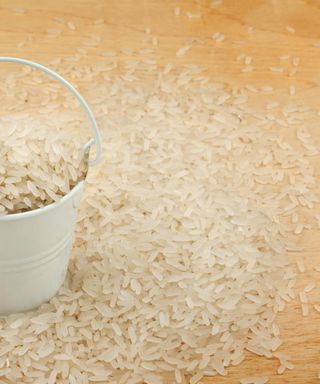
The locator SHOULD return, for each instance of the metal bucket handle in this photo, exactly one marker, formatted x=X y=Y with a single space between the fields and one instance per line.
x=94 y=126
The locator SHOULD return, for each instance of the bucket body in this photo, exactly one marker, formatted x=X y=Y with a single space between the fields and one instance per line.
x=34 y=253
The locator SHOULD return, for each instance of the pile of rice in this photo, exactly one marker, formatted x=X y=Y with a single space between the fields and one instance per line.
x=179 y=264
x=38 y=165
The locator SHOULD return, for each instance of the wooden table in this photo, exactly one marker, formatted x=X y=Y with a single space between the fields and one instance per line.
x=262 y=29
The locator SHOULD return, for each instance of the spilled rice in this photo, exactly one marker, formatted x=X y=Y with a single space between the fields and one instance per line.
x=179 y=263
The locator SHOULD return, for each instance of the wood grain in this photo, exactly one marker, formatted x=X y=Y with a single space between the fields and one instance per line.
x=24 y=33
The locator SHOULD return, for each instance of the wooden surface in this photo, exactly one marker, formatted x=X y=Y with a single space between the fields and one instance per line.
x=252 y=27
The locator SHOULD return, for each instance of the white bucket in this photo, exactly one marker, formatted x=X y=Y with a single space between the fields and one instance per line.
x=35 y=245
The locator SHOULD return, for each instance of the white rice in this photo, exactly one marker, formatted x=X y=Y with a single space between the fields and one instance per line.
x=59 y=20
x=71 y=26
x=90 y=43
x=53 y=31
x=38 y=164
x=292 y=72
x=248 y=60
x=218 y=37
x=317 y=307
x=290 y=29
x=183 y=50
x=192 y=15
x=301 y=266
x=296 y=61
x=276 y=69
x=310 y=287
x=267 y=88
x=20 y=11
x=216 y=3
x=292 y=90
x=179 y=263
x=98 y=22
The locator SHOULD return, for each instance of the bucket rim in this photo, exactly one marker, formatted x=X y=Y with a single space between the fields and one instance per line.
x=47 y=208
